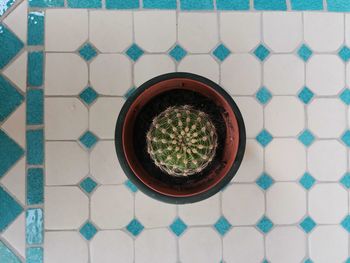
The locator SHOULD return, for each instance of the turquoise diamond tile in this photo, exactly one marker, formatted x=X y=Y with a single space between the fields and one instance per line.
x=261 y=52
x=264 y=138
x=88 y=230
x=129 y=92
x=306 y=138
x=159 y=4
x=134 y=52
x=9 y=209
x=305 y=95
x=338 y=5
x=178 y=226
x=34 y=226
x=222 y=226
x=346 y=138
x=88 y=139
x=85 y=3
x=307 y=5
x=178 y=53
x=263 y=95
x=264 y=181
x=346 y=223
x=270 y=4
x=5 y=5
x=196 y=5
x=10 y=153
x=345 y=96
x=131 y=186
x=344 y=53
x=307 y=181
x=345 y=180
x=6 y=255
x=10 y=98
x=308 y=261
x=88 y=95
x=87 y=52
x=308 y=224
x=348 y=260
x=304 y=52
x=88 y=185
x=135 y=227
x=232 y=4
x=221 y=52
x=265 y=224
x=10 y=45
x=34 y=255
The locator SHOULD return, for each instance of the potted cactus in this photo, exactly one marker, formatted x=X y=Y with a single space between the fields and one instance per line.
x=180 y=138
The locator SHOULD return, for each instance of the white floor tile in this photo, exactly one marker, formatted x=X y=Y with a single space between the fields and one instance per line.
x=241 y=74
x=110 y=74
x=15 y=234
x=155 y=31
x=112 y=207
x=282 y=31
x=65 y=246
x=65 y=74
x=206 y=212
x=117 y=25
x=252 y=165
x=65 y=208
x=328 y=203
x=327 y=160
x=325 y=74
x=285 y=244
x=17 y=71
x=323 y=31
x=65 y=29
x=15 y=180
x=108 y=108
x=328 y=244
x=200 y=245
x=104 y=164
x=327 y=117
x=15 y=125
x=252 y=113
x=284 y=74
x=243 y=244
x=109 y=246
x=198 y=32
x=65 y=118
x=17 y=21
x=150 y=239
x=69 y=155
x=149 y=66
x=236 y=37
x=285 y=159
x=204 y=65
x=243 y=204
x=285 y=203
x=284 y=116
x=153 y=213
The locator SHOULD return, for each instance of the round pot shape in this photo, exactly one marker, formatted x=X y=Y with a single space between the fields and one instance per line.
x=149 y=100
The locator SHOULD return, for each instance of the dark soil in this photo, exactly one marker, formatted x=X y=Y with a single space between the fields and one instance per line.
x=156 y=106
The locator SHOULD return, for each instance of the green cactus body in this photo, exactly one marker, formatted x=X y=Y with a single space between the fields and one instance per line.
x=182 y=140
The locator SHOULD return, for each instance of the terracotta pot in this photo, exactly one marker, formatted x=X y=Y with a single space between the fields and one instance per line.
x=140 y=171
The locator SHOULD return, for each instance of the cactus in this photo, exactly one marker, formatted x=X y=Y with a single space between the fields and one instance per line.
x=182 y=140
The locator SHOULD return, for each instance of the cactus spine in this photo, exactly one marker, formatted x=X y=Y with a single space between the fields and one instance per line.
x=182 y=140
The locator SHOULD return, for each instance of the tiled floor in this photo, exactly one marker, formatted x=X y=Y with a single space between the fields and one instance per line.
x=64 y=75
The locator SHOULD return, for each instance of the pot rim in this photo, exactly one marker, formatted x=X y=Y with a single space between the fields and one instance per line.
x=118 y=140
